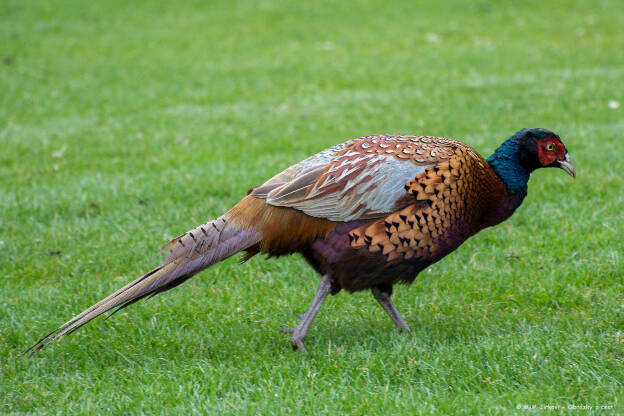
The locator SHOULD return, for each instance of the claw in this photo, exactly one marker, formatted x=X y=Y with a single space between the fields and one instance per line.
x=405 y=330
x=297 y=344
x=296 y=341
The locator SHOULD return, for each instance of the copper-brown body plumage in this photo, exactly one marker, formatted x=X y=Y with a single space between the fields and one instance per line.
x=366 y=214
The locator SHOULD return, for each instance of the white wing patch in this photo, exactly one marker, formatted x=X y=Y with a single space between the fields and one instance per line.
x=310 y=168
x=356 y=186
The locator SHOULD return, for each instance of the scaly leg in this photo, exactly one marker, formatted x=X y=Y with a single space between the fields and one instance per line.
x=299 y=333
x=386 y=302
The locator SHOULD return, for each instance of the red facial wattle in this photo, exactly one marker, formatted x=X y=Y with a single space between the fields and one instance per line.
x=547 y=157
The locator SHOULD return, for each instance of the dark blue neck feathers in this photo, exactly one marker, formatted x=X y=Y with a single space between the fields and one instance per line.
x=506 y=163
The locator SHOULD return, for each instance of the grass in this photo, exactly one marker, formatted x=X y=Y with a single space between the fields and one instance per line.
x=125 y=124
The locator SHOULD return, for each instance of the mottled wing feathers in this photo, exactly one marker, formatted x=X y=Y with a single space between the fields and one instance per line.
x=354 y=187
x=299 y=173
x=360 y=179
x=452 y=193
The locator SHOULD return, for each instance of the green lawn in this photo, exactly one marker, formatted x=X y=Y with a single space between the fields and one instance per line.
x=123 y=124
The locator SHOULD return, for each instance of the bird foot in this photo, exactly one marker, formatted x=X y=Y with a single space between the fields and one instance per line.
x=299 y=333
x=296 y=341
x=404 y=329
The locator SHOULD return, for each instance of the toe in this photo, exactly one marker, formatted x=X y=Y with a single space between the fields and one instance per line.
x=297 y=344
x=404 y=329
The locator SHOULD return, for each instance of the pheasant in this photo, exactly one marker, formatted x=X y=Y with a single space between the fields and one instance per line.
x=365 y=214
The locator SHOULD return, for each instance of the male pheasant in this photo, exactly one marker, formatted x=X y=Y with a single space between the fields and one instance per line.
x=365 y=214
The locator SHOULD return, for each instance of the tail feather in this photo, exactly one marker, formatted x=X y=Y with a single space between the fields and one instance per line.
x=190 y=253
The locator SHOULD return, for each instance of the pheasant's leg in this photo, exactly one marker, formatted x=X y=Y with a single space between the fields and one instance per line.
x=299 y=333
x=385 y=301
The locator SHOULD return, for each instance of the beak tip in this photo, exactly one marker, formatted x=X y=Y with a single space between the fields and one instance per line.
x=568 y=167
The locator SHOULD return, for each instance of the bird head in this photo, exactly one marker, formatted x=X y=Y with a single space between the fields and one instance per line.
x=541 y=148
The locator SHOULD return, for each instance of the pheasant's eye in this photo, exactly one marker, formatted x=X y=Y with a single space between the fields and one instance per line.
x=550 y=147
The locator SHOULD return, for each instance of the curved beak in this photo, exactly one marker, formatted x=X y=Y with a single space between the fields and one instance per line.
x=567 y=166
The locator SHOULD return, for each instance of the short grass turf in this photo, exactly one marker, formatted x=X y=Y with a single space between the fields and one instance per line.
x=123 y=124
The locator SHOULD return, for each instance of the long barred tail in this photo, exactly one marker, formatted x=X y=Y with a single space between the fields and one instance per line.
x=190 y=253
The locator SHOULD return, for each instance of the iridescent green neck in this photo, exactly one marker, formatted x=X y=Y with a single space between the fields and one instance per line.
x=506 y=163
